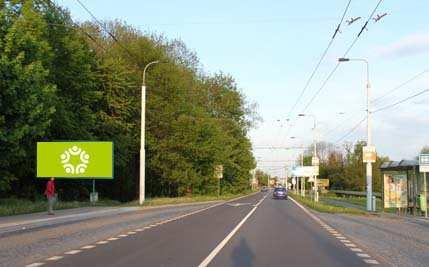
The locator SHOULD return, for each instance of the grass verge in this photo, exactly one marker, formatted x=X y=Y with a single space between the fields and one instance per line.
x=323 y=207
x=13 y=206
x=186 y=199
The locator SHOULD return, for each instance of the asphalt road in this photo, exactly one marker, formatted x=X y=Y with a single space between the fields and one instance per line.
x=252 y=231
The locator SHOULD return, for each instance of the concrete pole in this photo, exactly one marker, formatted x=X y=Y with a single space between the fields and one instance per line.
x=142 y=137
x=369 y=202
x=142 y=146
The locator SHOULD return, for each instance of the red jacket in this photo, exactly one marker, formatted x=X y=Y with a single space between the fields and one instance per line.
x=50 y=189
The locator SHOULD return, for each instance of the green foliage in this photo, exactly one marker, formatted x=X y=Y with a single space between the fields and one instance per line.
x=344 y=167
x=80 y=88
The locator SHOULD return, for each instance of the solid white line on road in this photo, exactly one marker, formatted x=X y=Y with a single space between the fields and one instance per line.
x=72 y=252
x=219 y=247
x=371 y=261
x=87 y=247
x=54 y=258
x=36 y=264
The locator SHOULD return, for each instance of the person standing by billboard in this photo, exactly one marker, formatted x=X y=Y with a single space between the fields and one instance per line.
x=50 y=195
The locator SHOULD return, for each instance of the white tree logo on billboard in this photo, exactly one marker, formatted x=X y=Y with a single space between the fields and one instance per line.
x=82 y=158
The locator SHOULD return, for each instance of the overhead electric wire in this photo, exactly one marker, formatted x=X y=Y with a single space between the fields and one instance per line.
x=77 y=26
x=400 y=86
x=322 y=57
x=316 y=68
x=344 y=55
x=103 y=26
x=351 y=130
x=400 y=101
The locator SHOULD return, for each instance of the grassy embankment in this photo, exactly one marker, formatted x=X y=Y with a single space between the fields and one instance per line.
x=322 y=206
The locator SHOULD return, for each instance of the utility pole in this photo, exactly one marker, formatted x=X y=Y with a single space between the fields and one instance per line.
x=142 y=136
x=370 y=204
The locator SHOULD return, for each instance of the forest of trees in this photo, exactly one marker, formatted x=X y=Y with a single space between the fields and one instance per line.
x=63 y=81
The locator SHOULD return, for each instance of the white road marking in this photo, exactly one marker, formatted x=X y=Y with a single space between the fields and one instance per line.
x=36 y=264
x=138 y=230
x=54 y=258
x=131 y=233
x=147 y=227
x=346 y=242
x=112 y=238
x=219 y=247
x=72 y=252
x=371 y=261
x=122 y=235
x=87 y=247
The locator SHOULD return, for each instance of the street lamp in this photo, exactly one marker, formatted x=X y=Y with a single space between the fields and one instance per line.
x=314 y=160
x=142 y=135
x=370 y=206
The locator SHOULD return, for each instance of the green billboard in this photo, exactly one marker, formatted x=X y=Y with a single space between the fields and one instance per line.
x=78 y=159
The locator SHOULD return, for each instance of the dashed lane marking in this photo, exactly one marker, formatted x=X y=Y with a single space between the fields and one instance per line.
x=366 y=257
x=87 y=247
x=72 y=252
x=54 y=258
x=374 y=262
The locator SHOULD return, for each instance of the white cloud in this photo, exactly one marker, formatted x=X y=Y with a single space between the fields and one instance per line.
x=407 y=46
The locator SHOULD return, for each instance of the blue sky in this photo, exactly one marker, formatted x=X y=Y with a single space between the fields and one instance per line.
x=271 y=47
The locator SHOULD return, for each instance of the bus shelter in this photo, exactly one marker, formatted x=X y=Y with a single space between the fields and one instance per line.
x=403 y=186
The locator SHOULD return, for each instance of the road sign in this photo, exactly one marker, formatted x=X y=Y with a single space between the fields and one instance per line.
x=369 y=154
x=305 y=171
x=219 y=171
x=424 y=162
x=315 y=161
x=75 y=159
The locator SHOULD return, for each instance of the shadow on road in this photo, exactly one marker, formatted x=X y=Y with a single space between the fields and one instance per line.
x=242 y=255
